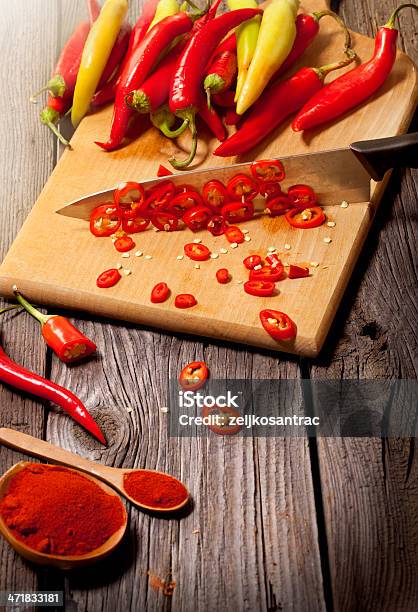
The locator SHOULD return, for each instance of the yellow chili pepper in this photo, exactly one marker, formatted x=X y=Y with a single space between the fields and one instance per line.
x=275 y=40
x=247 y=35
x=96 y=52
x=165 y=8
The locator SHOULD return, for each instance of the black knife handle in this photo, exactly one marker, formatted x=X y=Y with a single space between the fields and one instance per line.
x=379 y=156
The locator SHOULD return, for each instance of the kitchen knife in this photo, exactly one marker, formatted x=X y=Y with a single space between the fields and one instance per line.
x=335 y=175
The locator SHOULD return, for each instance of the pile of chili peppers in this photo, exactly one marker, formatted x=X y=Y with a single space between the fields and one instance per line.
x=175 y=65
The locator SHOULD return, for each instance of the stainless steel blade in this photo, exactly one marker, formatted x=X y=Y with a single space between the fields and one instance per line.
x=335 y=175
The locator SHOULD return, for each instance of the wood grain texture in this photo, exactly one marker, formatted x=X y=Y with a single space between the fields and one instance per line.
x=68 y=280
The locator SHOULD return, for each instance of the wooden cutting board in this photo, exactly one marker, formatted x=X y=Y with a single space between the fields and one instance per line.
x=55 y=260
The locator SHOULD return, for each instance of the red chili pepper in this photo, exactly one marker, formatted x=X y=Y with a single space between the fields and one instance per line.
x=138 y=66
x=252 y=261
x=163 y=171
x=117 y=54
x=134 y=222
x=301 y=196
x=217 y=225
x=212 y=120
x=164 y=221
x=107 y=93
x=259 y=288
x=268 y=273
x=214 y=193
x=278 y=205
x=193 y=376
x=184 y=201
x=225 y=99
x=268 y=171
x=308 y=218
x=108 y=278
x=298 y=271
x=221 y=73
x=129 y=194
x=242 y=187
x=18 y=377
x=238 y=212
x=197 y=218
x=160 y=293
x=185 y=91
x=228 y=44
x=105 y=220
x=185 y=300
x=223 y=276
x=67 y=342
x=124 y=244
x=231 y=117
x=354 y=87
x=234 y=234
x=93 y=8
x=279 y=325
x=197 y=252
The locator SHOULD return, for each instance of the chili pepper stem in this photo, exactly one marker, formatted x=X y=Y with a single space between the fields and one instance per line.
x=327 y=68
x=212 y=84
x=48 y=117
x=189 y=117
x=29 y=308
x=7 y=308
x=138 y=101
x=395 y=14
x=165 y=129
x=56 y=87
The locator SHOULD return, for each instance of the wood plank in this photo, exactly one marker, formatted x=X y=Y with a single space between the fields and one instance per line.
x=370 y=486
x=86 y=169
x=27 y=160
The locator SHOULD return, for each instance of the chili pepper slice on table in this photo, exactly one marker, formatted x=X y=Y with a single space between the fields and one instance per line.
x=20 y=378
x=217 y=225
x=159 y=197
x=242 y=187
x=105 y=220
x=274 y=260
x=269 y=189
x=223 y=276
x=197 y=252
x=165 y=221
x=268 y=170
x=185 y=300
x=193 y=376
x=124 y=244
x=268 y=273
x=252 y=261
x=138 y=66
x=259 y=288
x=214 y=193
x=301 y=196
x=234 y=234
x=185 y=91
x=238 y=212
x=246 y=38
x=96 y=52
x=310 y=217
x=184 y=201
x=222 y=420
x=108 y=278
x=278 y=205
x=67 y=342
x=278 y=324
x=133 y=221
x=197 y=218
x=130 y=194
x=160 y=293
x=354 y=87
x=298 y=271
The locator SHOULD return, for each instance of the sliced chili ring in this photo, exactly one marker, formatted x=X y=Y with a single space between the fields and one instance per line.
x=310 y=217
x=197 y=252
x=133 y=221
x=185 y=300
x=160 y=293
x=182 y=202
x=216 y=225
x=268 y=170
x=108 y=278
x=302 y=195
x=273 y=260
x=278 y=324
x=163 y=171
x=222 y=276
x=105 y=220
x=279 y=205
x=270 y=190
x=159 y=197
x=164 y=221
x=237 y=212
x=129 y=195
x=221 y=420
x=252 y=261
x=186 y=187
x=242 y=187
x=197 y=218
x=268 y=273
x=124 y=244
x=215 y=194
x=193 y=376
x=259 y=288
x=234 y=234
x=298 y=271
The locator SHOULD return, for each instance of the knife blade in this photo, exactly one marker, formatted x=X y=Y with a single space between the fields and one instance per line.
x=335 y=175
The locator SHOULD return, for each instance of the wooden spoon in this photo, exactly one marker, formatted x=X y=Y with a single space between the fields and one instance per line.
x=112 y=476
x=63 y=562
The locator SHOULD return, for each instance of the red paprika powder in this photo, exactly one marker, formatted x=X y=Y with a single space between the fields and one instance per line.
x=58 y=511
x=154 y=490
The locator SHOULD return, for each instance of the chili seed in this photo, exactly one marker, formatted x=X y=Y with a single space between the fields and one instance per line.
x=138 y=254
x=327 y=240
x=125 y=255
x=344 y=204
x=331 y=223
x=287 y=247
x=223 y=251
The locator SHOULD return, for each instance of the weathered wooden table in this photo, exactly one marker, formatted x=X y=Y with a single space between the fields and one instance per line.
x=278 y=524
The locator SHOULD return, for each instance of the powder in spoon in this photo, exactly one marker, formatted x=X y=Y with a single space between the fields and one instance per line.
x=57 y=511
x=154 y=490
